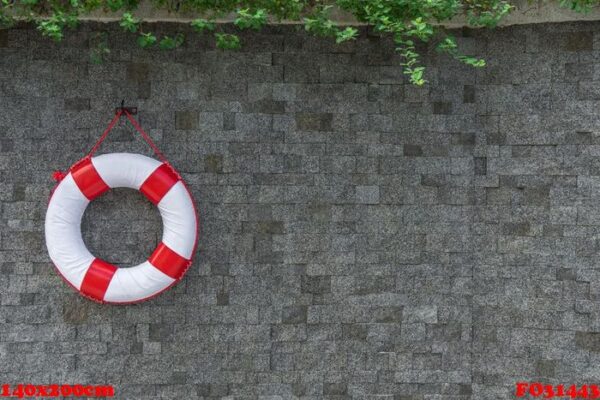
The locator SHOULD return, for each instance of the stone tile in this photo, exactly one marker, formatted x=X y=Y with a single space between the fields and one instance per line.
x=579 y=41
x=367 y=194
x=3 y=38
x=411 y=150
x=314 y=121
x=138 y=72
x=186 y=120
x=77 y=104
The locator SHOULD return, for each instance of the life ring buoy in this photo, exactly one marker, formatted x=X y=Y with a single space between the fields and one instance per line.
x=97 y=279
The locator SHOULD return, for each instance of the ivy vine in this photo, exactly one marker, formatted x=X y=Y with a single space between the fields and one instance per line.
x=406 y=21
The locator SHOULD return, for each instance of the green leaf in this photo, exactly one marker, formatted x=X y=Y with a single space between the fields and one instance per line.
x=71 y=21
x=580 y=6
x=202 y=25
x=488 y=15
x=448 y=44
x=247 y=19
x=472 y=61
x=99 y=49
x=346 y=34
x=52 y=29
x=170 y=43
x=129 y=23
x=146 y=40
x=320 y=24
x=114 y=5
x=227 y=41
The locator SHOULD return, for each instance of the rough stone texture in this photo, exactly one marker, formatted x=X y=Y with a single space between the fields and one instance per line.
x=360 y=238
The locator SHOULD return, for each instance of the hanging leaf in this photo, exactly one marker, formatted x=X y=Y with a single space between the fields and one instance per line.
x=129 y=23
x=201 y=25
x=146 y=40
x=227 y=41
x=170 y=43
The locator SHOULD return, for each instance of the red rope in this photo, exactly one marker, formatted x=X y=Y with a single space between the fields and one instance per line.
x=106 y=132
x=137 y=127
x=145 y=136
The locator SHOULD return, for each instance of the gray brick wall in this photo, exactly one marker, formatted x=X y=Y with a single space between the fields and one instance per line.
x=360 y=238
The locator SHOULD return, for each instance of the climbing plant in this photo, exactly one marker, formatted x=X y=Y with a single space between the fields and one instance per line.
x=408 y=22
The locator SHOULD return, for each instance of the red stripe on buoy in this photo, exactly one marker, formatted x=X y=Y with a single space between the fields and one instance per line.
x=97 y=278
x=168 y=262
x=156 y=186
x=88 y=180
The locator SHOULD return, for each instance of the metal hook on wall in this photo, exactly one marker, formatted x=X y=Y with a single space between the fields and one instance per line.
x=123 y=109
x=130 y=110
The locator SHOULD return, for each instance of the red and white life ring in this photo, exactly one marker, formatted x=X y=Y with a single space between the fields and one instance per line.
x=95 y=278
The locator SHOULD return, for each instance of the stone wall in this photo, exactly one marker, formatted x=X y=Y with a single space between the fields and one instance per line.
x=360 y=238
